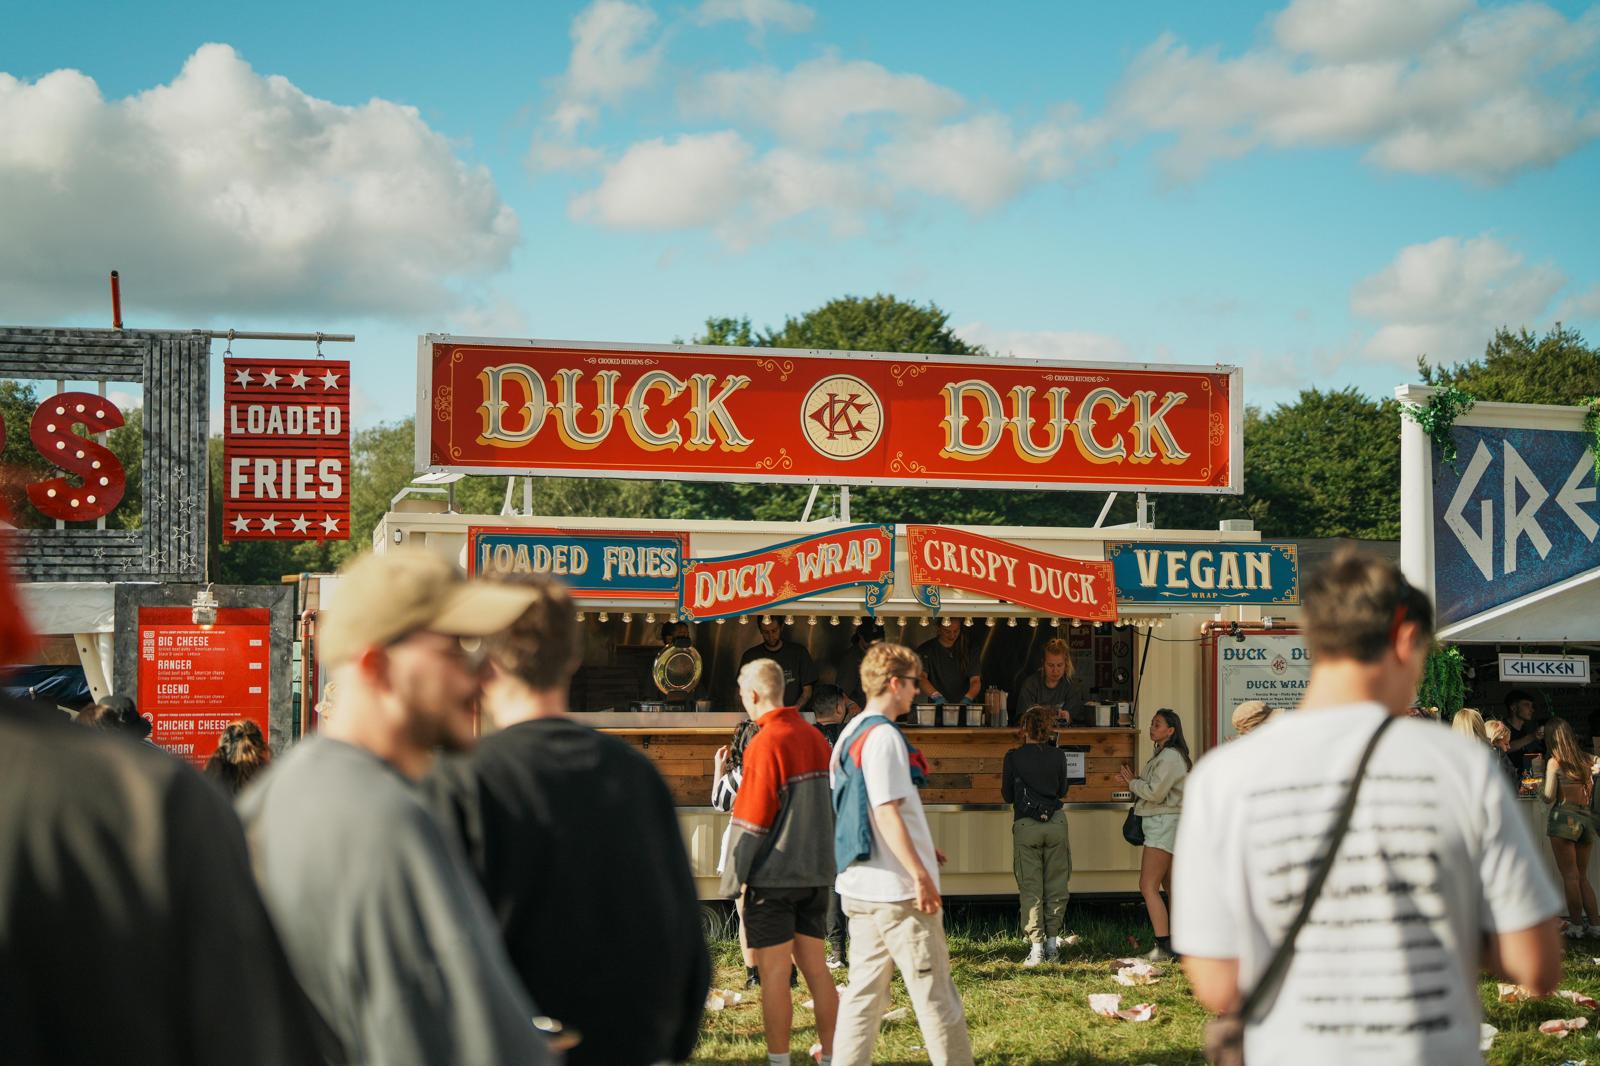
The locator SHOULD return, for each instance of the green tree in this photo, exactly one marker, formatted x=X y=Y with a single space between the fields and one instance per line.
x=1523 y=367
x=20 y=463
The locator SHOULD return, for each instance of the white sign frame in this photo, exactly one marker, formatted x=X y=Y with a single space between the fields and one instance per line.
x=1579 y=676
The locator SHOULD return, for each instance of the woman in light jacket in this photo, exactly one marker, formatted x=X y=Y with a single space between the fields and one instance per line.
x=1159 y=798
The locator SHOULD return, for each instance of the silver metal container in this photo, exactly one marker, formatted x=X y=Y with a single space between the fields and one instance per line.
x=949 y=715
x=926 y=714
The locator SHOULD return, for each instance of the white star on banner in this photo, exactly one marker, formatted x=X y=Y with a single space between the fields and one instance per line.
x=241 y=524
x=299 y=377
x=301 y=524
x=270 y=379
x=242 y=377
x=330 y=380
x=330 y=524
x=269 y=524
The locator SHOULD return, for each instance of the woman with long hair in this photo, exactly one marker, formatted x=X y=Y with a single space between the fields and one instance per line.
x=727 y=771
x=1033 y=779
x=1158 y=793
x=1469 y=723
x=1498 y=736
x=241 y=754
x=1569 y=789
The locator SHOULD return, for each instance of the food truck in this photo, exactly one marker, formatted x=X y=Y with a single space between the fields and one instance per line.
x=1141 y=610
x=1506 y=538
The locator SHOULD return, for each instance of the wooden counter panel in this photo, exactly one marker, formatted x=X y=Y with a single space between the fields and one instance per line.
x=964 y=763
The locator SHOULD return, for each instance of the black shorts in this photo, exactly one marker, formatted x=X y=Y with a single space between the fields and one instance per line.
x=774 y=916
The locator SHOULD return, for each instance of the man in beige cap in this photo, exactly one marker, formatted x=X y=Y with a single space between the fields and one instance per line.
x=384 y=927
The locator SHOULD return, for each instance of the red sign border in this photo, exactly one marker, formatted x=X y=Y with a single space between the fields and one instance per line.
x=425 y=404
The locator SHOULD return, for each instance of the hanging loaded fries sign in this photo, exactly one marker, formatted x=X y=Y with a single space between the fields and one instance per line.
x=942 y=557
x=754 y=581
x=592 y=563
x=286 y=449
x=866 y=418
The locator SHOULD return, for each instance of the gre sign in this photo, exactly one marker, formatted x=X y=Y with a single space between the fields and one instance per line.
x=1545 y=669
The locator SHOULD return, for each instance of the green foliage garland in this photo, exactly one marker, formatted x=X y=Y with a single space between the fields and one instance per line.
x=1444 y=681
x=1438 y=416
x=1591 y=429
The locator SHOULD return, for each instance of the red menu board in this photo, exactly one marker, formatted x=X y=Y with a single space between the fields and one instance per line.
x=1051 y=584
x=194 y=680
x=286 y=449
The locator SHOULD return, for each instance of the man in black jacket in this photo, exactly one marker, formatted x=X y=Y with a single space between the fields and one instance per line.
x=575 y=838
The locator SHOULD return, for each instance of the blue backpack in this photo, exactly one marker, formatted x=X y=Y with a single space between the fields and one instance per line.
x=852 y=813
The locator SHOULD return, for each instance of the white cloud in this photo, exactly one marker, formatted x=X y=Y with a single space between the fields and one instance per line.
x=226 y=191
x=1445 y=299
x=552 y=156
x=609 y=60
x=1344 y=30
x=982 y=162
x=721 y=182
x=821 y=103
x=1422 y=88
x=784 y=14
x=1046 y=344
x=1580 y=307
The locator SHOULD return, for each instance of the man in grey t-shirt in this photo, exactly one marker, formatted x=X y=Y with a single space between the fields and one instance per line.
x=385 y=928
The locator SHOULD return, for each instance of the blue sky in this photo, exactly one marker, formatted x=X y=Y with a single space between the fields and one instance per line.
x=1318 y=192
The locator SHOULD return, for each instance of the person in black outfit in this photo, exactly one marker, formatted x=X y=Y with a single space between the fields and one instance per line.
x=829 y=703
x=575 y=838
x=130 y=926
x=1033 y=779
x=1527 y=738
x=950 y=670
x=866 y=635
x=799 y=672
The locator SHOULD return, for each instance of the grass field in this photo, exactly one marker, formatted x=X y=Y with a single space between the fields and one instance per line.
x=1019 y=1016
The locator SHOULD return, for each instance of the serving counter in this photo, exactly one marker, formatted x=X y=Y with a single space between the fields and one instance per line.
x=970 y=823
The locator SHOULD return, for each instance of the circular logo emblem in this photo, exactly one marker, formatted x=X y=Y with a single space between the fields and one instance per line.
x=841 y=417
x=1279 y=665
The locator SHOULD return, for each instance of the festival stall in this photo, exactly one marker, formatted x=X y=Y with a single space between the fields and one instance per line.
x=842 y=420
x=1499 y=525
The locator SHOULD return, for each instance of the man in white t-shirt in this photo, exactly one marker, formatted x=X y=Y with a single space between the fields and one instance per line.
x=892 y=895
x=1436 y=879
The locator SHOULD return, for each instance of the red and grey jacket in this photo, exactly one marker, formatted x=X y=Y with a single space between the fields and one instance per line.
x=782 y=831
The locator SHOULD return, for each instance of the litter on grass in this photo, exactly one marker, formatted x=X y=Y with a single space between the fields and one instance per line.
x=1072 y=941
x=1586 y=1002
x=1561 y=1027
x=1109 y=1005
x=896 y=1014
x=1140 y=973
x=721 y=999
x=1514 y=994
x=1486 y=1035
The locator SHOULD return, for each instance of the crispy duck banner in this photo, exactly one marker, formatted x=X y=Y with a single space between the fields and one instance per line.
x=942 y=557
x=754 y=581
x=865 y=418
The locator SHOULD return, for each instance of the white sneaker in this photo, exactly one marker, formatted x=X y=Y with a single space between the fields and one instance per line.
x=1052 y=948
x=1591 y=930
x=1035 y=955
x=1160 y=954
x=1573 y=932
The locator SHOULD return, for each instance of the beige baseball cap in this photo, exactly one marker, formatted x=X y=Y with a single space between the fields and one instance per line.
x=383 y=597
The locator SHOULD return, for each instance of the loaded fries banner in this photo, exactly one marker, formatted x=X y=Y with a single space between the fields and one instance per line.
x=862 y=418
x=753 y=581
x=286 y=449
x=955 y=559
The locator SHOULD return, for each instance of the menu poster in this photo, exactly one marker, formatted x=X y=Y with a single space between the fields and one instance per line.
x=195 y=680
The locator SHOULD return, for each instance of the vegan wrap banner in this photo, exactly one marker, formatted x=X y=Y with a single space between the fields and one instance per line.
x=956 y=559
x=864 y=418
x=794 y=570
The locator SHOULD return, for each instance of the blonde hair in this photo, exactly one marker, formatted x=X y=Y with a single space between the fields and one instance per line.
x=1469 y=723
x=763 y=677
x=1057 y=646
x=1571 y=760
x=1494 y=731
x=885 y=661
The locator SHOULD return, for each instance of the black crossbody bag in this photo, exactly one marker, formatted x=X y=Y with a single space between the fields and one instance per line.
x=1225 y=1033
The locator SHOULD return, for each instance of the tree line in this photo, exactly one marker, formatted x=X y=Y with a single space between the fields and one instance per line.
x=1325 y=465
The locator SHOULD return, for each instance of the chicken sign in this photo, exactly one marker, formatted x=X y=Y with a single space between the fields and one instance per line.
x=286 y=449
x=864 y=418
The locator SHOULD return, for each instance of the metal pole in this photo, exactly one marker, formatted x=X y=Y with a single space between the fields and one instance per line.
x=844 y=504
x=527 y=496
x=1111 y=499
x=811 y=500
x=1144 y=511
x=116 y=300
x=242 y=335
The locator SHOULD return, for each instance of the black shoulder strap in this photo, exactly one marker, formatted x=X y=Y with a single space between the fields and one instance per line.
x=1280 y=958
